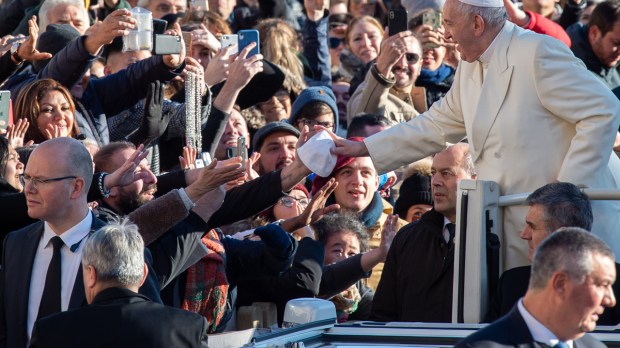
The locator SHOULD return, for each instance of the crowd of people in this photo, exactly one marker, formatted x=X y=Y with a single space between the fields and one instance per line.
x=163 y=194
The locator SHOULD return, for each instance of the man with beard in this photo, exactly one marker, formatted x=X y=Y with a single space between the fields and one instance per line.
x=389 y=88
x=596 y=42
x=276 y=142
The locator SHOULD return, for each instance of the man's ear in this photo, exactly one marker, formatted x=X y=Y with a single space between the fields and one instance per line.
x=146 y=272
x=479 y=25
x=560 y=282
x=90 y=277
x=594 y=33
x=79 y=185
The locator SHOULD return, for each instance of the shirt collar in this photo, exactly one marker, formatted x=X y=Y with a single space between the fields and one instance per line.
x=446 y=222
x=485 y=57
x=72 y=236
x=539 y=332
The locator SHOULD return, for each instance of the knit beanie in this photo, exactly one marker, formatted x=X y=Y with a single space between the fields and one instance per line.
x=314 y=94
x=416 y=189
x=53 y=40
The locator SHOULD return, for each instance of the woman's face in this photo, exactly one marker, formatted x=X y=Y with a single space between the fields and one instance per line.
x=277 y=108
x=364 y=41
x=14 y=168
x=55 y=112
x=291 y=205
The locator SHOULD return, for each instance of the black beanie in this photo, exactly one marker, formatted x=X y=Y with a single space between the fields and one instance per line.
x=416 y=189
x=53 y=40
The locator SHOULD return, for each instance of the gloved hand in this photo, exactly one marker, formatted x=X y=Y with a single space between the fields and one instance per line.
x=155 y=120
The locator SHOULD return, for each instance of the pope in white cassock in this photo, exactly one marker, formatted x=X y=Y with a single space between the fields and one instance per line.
x=532 y=114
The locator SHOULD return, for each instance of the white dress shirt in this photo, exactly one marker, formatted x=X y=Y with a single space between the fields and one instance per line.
x=70 y=263
x=446 y=234
x=539 y=332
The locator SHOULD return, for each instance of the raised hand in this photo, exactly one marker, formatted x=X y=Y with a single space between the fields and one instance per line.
x=27 y=50
x=212 y=177
x=243 y=69
x=117 y=23
x=390 y=227
x=392 y=49
x=17 y=132
x=126 y=174
x=155 y=121
x=188 y=160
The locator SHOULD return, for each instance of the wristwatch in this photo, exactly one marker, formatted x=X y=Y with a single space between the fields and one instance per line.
x=14 y=54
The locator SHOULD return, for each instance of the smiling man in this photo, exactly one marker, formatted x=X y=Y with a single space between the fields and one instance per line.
x=416 y=284
x=357 y=191
x=571 y=283
x=389 y=88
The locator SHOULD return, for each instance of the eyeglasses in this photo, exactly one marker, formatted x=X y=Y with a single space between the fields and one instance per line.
x=25 y=179
x=312 y=123
x=335 y=42
x=412 y=58
x=287 y=201
x=280 y=95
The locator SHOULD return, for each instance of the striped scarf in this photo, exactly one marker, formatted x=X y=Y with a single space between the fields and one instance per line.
x=206 y=289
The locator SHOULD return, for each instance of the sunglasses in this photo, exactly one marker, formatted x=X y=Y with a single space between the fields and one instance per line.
x=412 y=58
x=334 y=42
x=287 y=201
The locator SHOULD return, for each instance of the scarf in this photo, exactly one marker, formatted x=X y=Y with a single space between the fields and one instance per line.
x=429 y=77
x=346 y=302
x=372 y=213
x=206 y=290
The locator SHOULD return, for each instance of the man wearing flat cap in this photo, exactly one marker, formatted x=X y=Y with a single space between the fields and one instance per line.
x=531 y=111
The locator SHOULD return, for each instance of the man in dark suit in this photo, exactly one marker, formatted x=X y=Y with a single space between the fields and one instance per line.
x=113 y=269
x=552 y=206
x=57 y=179
x=570 y=285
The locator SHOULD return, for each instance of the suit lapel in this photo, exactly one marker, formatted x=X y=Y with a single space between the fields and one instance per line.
x=493 y=91
x=78 y=296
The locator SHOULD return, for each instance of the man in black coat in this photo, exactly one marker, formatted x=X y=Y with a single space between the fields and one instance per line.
x=113 y=268
x=416 y=284
x=572 y=276
x=552 y=206
x=57 y=179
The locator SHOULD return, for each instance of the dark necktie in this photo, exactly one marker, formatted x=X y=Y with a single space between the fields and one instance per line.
x=561 y=345
x=451 y=230
x=50 y=301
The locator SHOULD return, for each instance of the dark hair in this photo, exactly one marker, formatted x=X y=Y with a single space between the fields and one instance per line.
x=337 y=222
x=28 y=106
x=315 y=109
x=605 y=15
x=564 y=205
x=4 y=155
x=24 y=153
x=359 y=123
x=103 y=156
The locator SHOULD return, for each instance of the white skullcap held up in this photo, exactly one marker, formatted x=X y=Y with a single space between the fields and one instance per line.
x=484 y=3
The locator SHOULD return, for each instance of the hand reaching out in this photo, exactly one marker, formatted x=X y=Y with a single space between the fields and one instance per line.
x=188 y=160
x=126 y=174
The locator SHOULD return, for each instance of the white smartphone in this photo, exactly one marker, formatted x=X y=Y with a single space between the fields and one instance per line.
x=230 y=40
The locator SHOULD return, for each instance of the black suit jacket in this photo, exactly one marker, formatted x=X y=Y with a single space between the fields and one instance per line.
x=20 y=248
x=511 y=331
x=513 y=285
x=121 y=318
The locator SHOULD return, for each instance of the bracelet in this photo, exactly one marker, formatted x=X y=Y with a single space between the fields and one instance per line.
x=102 y=189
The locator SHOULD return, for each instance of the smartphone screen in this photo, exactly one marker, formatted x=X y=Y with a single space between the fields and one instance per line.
x=246 y=37
x=242 y=150
x=230 y=40
x=397 y=21
x=5 y=108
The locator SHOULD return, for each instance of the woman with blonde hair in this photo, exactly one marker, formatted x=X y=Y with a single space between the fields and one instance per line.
x=279 y=45
x=49 y=108
x=362 y=44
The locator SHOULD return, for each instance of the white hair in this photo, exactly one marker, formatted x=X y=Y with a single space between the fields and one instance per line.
x=116 y=252
x=50 y=4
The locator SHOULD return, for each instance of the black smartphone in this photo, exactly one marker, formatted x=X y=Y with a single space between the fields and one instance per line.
x=397 y=21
